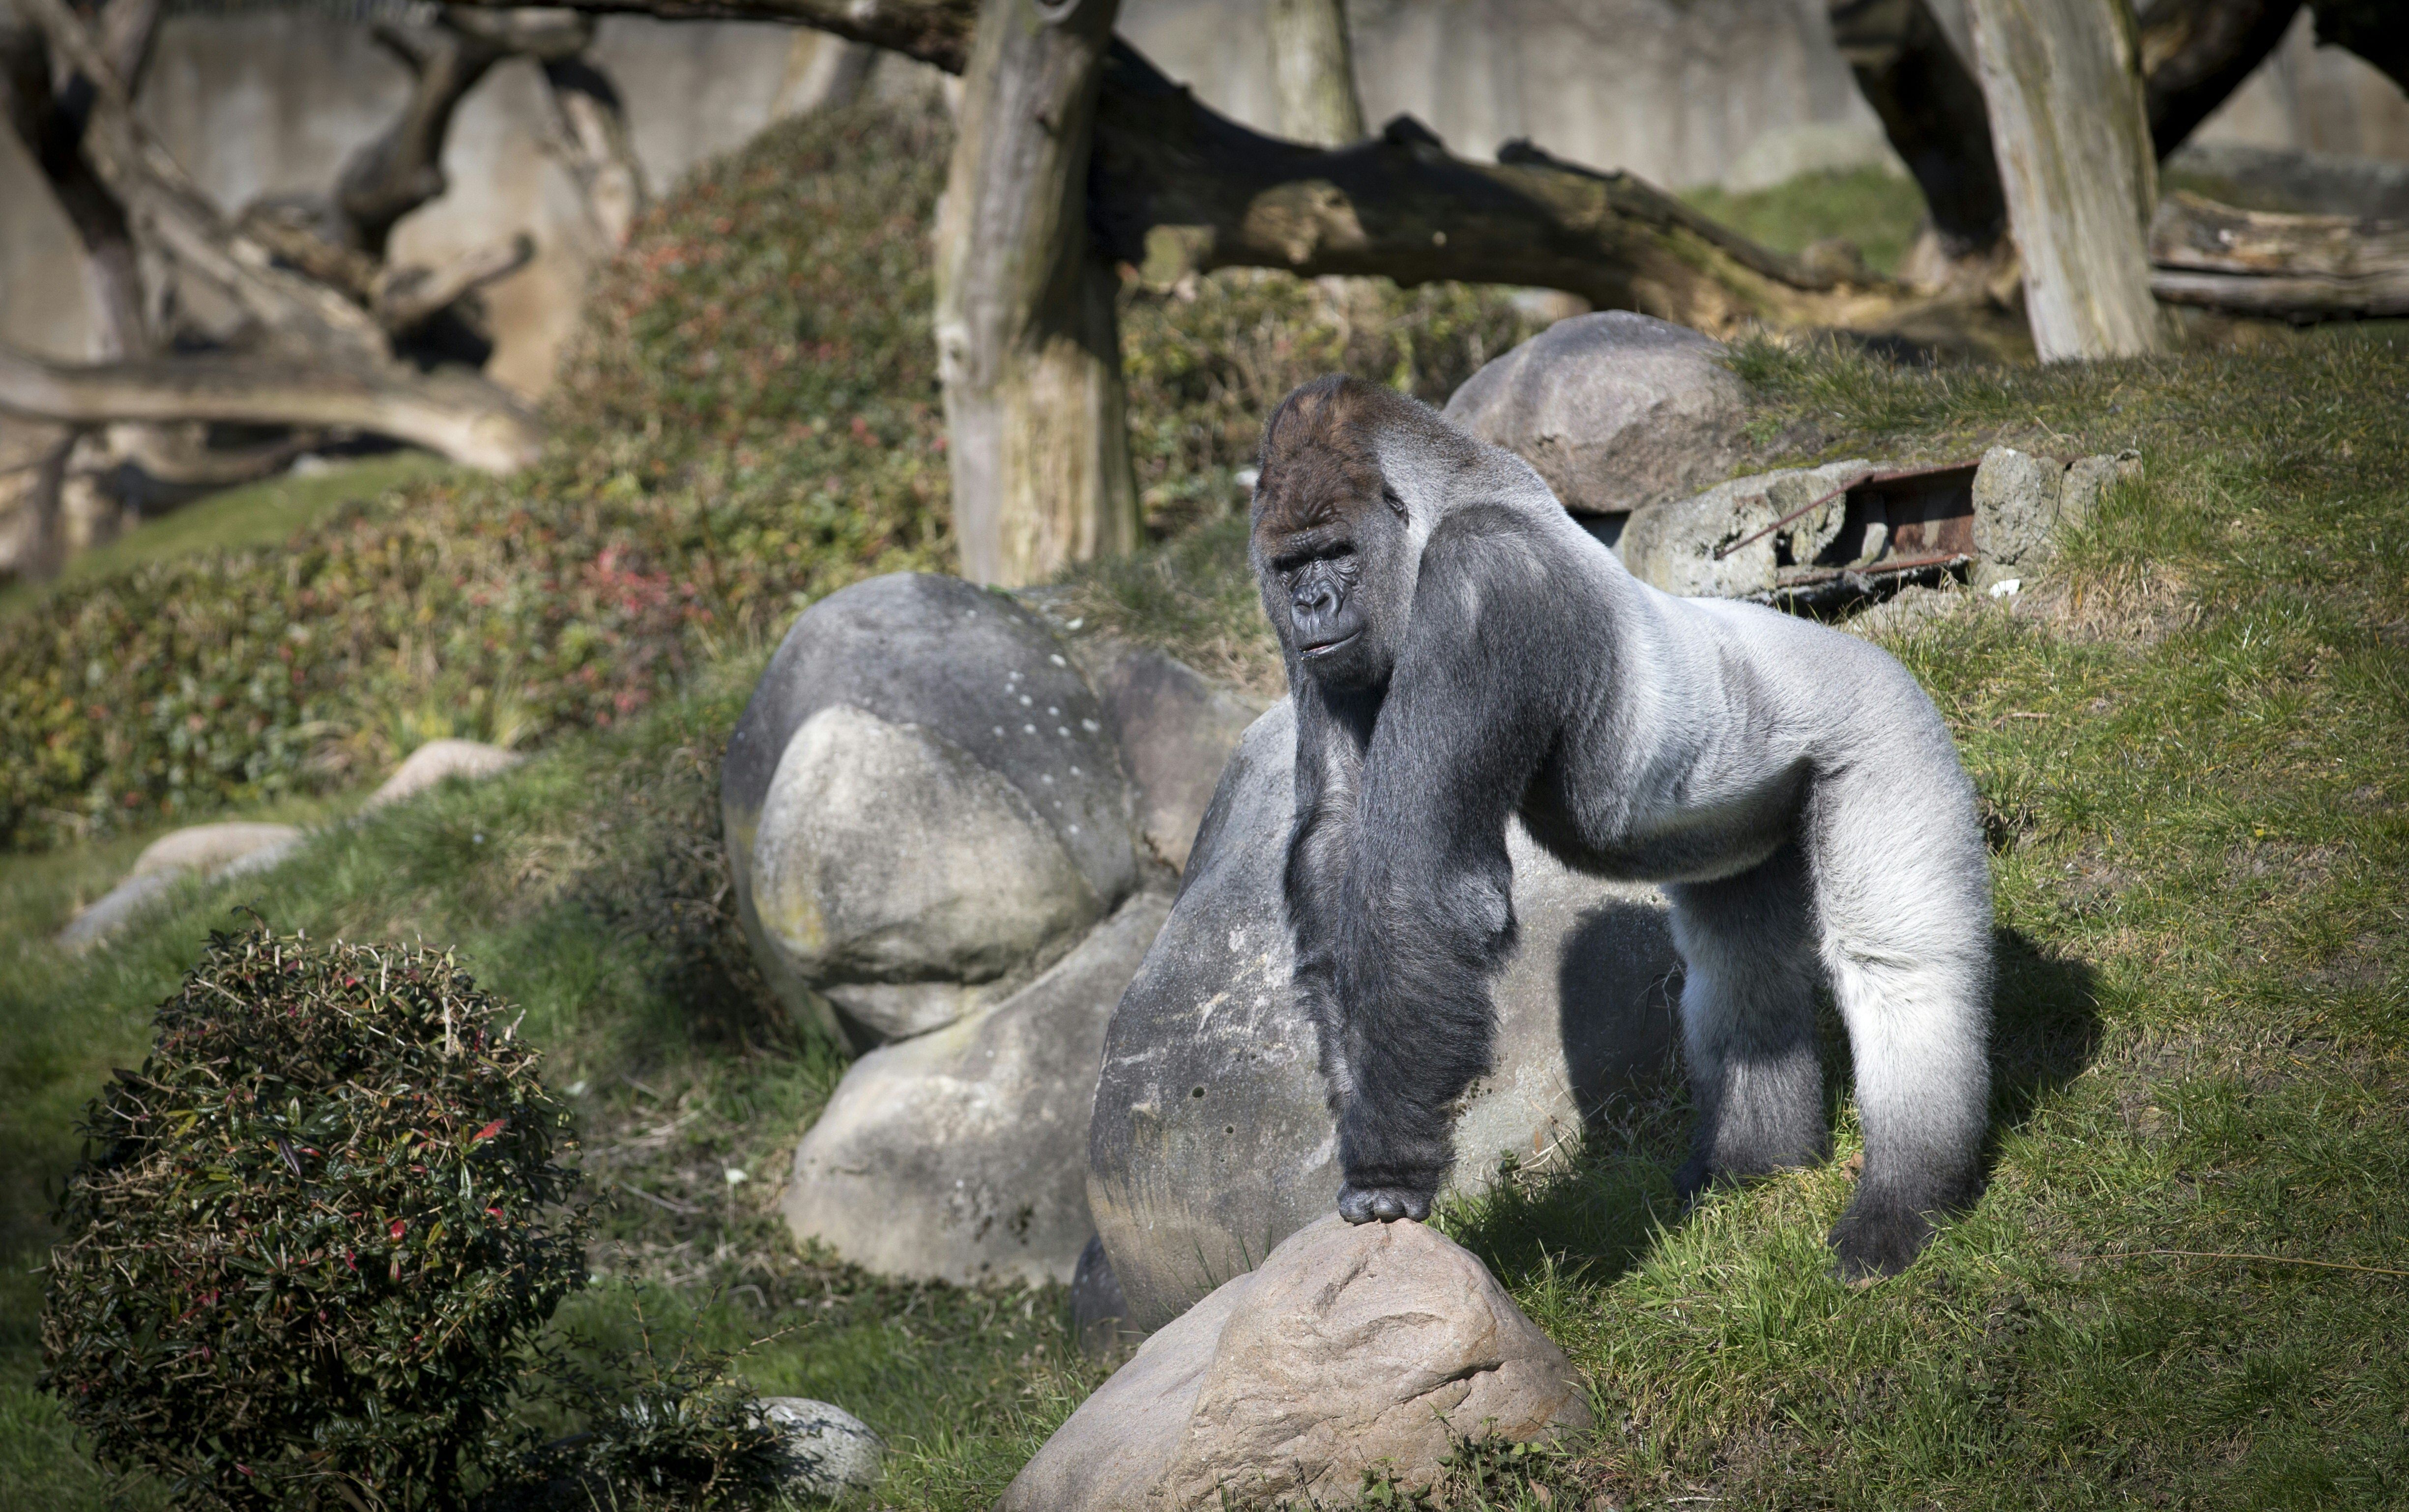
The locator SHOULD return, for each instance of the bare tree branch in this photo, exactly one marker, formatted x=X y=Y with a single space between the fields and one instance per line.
x=1177 y=187
x=595 y=145
x=408 y=297
x=52 y=133
x=932 y=31
x=166 y=211
x=403 y=167
x=457 y=414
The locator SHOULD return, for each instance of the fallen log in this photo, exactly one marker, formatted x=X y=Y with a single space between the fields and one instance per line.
x=456 y=414
x=2298 y=267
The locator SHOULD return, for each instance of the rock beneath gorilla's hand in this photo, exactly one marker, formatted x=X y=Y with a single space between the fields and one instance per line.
x=954 y=1156
x=923 y=805
x=1212 y=1140
x=1350 y=1349
x=1616 y=410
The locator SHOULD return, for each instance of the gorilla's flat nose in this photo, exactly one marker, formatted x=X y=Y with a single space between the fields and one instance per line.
x=1317 y=600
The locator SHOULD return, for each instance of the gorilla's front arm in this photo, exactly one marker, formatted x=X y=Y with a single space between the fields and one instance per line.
x=1399 y=888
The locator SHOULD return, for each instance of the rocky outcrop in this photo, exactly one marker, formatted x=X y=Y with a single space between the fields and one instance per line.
x=954 y=1155
x=954 y=835
x=1673 y=545
x=2023 y=504
x=232 y=849
x=1350 y=1349
x=1177 y=732
x=1616 y=411
x=1212 y=1141
x=431 y=763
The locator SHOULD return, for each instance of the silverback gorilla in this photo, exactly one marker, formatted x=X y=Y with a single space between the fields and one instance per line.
x=1460 y=651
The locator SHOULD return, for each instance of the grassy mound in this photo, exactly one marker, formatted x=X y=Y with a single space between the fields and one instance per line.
x=2181 y=1288
x=749 y=421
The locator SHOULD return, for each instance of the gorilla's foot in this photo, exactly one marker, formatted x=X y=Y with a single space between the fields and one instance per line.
x=1363 y=1205
x=1878 y=1238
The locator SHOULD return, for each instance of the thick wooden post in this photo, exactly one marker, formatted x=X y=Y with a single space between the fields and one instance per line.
x=1027 y=344
x=1313 y=69
x=2062 y=81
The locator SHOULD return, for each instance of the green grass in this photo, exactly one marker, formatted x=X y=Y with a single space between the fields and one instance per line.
x=1877 y=211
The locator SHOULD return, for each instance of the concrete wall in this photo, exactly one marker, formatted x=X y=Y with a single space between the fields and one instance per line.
x=1744 y=93
x=1681 y=92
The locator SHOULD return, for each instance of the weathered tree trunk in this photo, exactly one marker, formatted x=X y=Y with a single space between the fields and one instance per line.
x=2062 y=82
x=1181 y=189
x=1931 y=110
x=1313 y=72
x=1027 y=344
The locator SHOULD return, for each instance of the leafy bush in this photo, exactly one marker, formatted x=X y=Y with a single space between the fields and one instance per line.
x=749 y=423
x=314 y=1236
x=749 y=420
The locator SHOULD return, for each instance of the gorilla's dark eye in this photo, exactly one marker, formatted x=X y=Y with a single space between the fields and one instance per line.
x=1389 y=496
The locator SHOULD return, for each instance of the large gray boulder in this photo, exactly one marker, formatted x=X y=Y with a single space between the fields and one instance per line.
x=1673 y=544
x=954 y=1156
x=1351 y=1349
x=1176 y=731
x=1212 y=1141
x=923 y=806
x=1616 y=411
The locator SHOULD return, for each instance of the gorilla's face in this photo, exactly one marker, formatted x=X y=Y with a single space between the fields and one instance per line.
x=1331 y=541
x=1334 y=594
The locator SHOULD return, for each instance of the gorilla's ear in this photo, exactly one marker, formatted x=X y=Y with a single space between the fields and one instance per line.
x=1389 y=496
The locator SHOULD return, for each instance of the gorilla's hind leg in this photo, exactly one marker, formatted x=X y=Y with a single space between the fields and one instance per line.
x=1748 y=1021
x=1906 y=941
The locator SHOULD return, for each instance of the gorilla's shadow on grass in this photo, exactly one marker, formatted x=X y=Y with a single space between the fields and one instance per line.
x=1601 y=1211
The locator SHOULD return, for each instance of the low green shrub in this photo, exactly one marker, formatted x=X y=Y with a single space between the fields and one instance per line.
x=313 y=1237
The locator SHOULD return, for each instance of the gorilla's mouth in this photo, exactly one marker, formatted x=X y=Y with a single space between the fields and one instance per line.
x=1325 y=647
